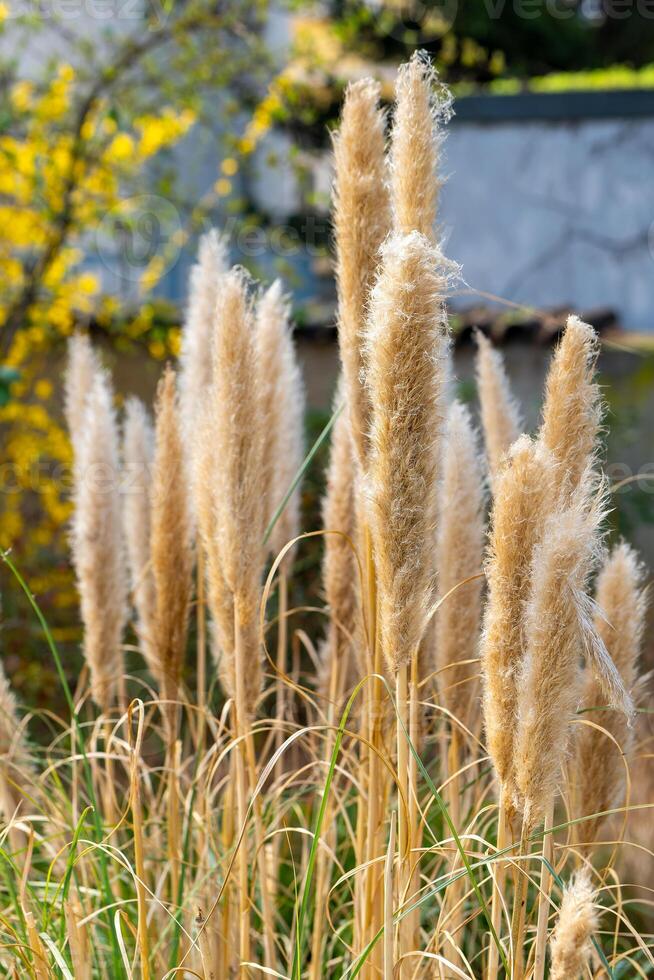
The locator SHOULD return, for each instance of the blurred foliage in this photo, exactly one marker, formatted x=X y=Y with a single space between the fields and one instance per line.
x=499 y=46
x=92 y=118
x=474 y=39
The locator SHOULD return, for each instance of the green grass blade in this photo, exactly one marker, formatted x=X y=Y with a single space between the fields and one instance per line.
x=300 y=473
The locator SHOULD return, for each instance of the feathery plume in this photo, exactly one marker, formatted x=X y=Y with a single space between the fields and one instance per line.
x=195 y=355
x=219 y=597
x=416 y=146
x=171 y=548
x=97 y=543
x=15 y=762
x=406 y=343
x=570 y=944
x=231 y=446
x=620 y=624
x=138 y=452
x=572 y=411
x=500 y=413
x=83 y=365
x=459 y=552
x=555 y=626
x=522 y=499
x=340 y=567
x=282 y=405
x=361 y=223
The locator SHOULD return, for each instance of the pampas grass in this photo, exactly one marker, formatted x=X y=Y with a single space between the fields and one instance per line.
x=234 y=423
x=83 y=365
x=171 y=548
x=417 y=135
x=282 y=408
x=620 y=623
x=577 y=921
x=138 y=456
x=406 y=344
x=16 y=767
x=572 y=410
x=252 y=826
x=459 y=550
x=195 y=357
x=550 y=675
x=361 y=222
x=522 y=498
x=343 y=652
x=500 y=413
x=97 y=541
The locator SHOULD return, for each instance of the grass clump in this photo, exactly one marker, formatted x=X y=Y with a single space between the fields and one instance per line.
x=436 y=785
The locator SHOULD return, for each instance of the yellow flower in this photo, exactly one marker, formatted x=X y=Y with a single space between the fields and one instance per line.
x=121 y=147
x=66 y=72
x=21 y=95
x=153 y=273
x=246 y=145
x=43 y=389
x=174 y=341
x=157 y=349
x=88 y=283
x=222 y=187
x=229 y=166
x=4 y=12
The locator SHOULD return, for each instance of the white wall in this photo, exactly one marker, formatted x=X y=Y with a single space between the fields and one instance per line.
x=549 y=213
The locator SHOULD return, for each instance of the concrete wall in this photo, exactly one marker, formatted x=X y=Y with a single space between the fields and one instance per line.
x=548 y=199
x=548 y=211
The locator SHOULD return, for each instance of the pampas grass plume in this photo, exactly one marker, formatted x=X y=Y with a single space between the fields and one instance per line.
x=459 y=550
x=406 y=345
x=620 y=624
x=500 y=414
x=572 y=410
x=555 y=625
x=16 y=765
x=361 y=222
x=415 y=146
x=234 y=424
x=340 y=568
x=220 y=599
x=522 y=498
x=171 y=548
x=282 y=407
x=195 y=356
x=570 y=944
x=83 y=365
x=97 y=542
x=138 y=455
